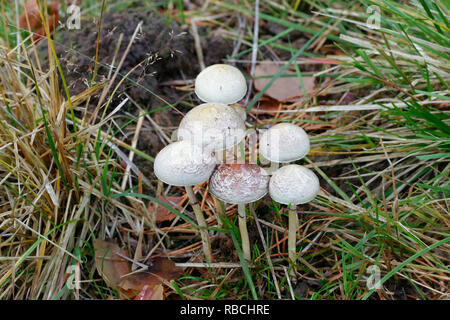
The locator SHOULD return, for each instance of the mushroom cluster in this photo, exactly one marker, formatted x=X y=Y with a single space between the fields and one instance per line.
x=217 y=125
x=206 y=129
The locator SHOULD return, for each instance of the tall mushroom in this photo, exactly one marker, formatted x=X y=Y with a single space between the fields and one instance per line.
x=283 y=143
x=292 y=185
x=214 y=126
x=240 y=184
x=185 y=164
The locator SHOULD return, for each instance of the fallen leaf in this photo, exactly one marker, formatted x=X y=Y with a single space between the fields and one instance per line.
x=162 y=213
x=31 y=19
x=162 y=268
x=284 y=88
x=151 y=293
x=145 y=285
x=109 y=265
x=269 y=104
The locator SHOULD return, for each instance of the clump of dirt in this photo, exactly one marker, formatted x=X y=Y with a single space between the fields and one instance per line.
x=163 y=52
x=215 y=49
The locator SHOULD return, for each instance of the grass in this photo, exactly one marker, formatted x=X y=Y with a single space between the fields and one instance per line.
x=380 y=142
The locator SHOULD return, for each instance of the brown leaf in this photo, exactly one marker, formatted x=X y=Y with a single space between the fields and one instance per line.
x=162 y=213
x=162 y=268
x=145 y=285
x=151 y=293
x=284 y=88
x=31 y=18
x=109 y=265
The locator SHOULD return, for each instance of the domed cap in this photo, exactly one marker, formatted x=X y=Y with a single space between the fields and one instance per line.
x=220 y=83
x=284 y=142
x=214 y=126
x=183 y=164
x=293 y=184
x=240 y=110
x=239 y=183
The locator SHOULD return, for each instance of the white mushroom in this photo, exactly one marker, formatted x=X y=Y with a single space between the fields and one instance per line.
x=214 y=126
x=240 y=184
x=293 y=185
x=185 y=164
x=284 y=142
x=240 y=110
x=220 y=83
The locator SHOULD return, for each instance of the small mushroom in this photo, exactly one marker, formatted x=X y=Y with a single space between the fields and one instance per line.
x=292 y=185
x=220 y=83
x=284 y=142
x=215 y=126
x=185 y=164
x=240 y=184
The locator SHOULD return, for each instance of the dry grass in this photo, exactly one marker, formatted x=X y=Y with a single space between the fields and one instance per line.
x=382 y=158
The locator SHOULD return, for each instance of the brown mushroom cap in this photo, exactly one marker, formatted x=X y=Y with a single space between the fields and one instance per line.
x=239 y=183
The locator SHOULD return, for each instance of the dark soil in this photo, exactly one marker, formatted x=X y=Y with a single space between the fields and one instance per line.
x=166 y=53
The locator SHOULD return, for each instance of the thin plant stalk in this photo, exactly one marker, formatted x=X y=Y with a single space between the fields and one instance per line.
x=201 y=222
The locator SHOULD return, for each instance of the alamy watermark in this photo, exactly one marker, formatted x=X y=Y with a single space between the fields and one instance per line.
x=373 y=281
x=374 y=18
x=73 y=281
x=73 y=21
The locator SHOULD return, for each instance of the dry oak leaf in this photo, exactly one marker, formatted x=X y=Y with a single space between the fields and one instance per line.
x=151 y=293
x=162 y=213
x=284 y=88
x=110 y=266
x=30 y=19
x=145 y=285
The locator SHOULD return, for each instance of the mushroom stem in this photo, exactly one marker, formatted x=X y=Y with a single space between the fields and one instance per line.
x=244 y=233
x=221 y=211
x=292 y=233
x=201 y=222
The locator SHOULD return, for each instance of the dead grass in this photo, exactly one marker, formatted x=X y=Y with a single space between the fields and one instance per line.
x=382 y=156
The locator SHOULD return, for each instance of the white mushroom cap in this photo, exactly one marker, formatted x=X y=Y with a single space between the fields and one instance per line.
x=293 y=184
x=240 y=111
x=214 y=126
x=284 y=142
x=220 y=83
x=239 y=183
x=183 y=164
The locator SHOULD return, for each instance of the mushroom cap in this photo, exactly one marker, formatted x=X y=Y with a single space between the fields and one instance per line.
x=284 y=142
x=239 y=183
x=293 y=184
x=214 y=126
x=183 y=164
x=240 y=110
x=220 y=83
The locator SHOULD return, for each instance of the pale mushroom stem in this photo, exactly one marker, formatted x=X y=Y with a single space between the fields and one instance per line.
x=292 y=233
x=221 y=211
x=201 y=222
x=243 y=230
